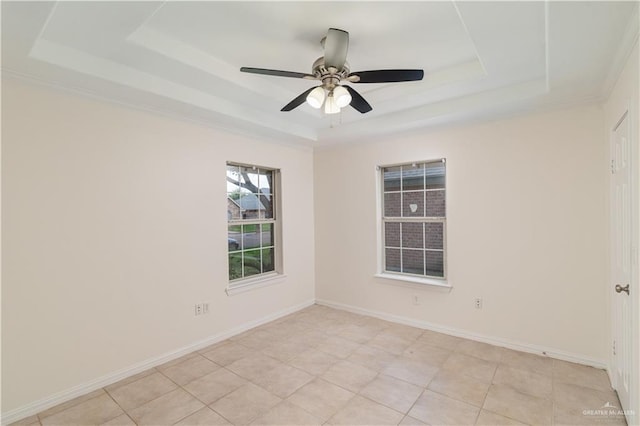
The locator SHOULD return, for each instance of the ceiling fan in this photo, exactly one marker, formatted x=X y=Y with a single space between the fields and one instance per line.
x=332 y=69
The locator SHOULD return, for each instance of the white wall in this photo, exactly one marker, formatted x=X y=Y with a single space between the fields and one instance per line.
x=114 y=226
x=526 y=207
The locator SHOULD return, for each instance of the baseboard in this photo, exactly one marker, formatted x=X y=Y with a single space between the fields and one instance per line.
x=497 y=341
x=69 y=394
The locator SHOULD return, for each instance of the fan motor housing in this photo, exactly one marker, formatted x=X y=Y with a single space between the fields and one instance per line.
x=330 y=76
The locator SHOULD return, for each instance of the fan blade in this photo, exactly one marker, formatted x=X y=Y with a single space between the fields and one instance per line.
x=387 y=76
x=277 y=73
x=357 y=101
x=336 y=46
x=298 y=101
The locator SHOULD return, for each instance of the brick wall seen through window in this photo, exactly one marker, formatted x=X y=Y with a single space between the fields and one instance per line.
x=414 y=219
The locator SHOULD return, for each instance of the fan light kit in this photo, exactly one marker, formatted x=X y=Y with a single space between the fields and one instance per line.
x=333 y=68
x=336 y=99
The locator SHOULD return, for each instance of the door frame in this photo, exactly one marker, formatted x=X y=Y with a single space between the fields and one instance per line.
x=632 y=112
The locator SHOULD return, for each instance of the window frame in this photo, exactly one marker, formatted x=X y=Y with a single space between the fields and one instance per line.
x=405 y=277
x=262 y=279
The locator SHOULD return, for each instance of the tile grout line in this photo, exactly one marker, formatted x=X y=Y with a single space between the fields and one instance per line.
x=517 y=391
x=119 y=406
x=414 y=402
x=40 y=419
x=493 y=376
x=426 y=387
x=159 y=396
x=382 y=403
x=255 y=384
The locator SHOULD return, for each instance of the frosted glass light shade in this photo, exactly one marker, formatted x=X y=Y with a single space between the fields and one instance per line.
x=316 y=97
x=341 y=96
x=330 y=106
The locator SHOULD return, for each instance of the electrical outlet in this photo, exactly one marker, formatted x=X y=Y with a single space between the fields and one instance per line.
x=201 y=308
x=478 y=303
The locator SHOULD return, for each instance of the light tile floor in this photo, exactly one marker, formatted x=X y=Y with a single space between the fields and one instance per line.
x=322 y=366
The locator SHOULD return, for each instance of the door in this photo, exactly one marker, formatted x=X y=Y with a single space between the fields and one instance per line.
x=621 y=262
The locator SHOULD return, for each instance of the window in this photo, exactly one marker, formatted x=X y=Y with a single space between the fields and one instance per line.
x=414 y=219
x=252 y=222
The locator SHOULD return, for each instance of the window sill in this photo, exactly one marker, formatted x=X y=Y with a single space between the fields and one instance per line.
x=415 y=281
x=254 y=283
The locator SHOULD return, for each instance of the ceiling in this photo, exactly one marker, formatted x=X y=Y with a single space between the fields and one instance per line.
x=482 y=60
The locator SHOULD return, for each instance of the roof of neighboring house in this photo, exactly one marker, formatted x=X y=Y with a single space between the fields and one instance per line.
x=249 y=201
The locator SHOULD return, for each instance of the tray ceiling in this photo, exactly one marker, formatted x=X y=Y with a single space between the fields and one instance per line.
x=481 y=59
